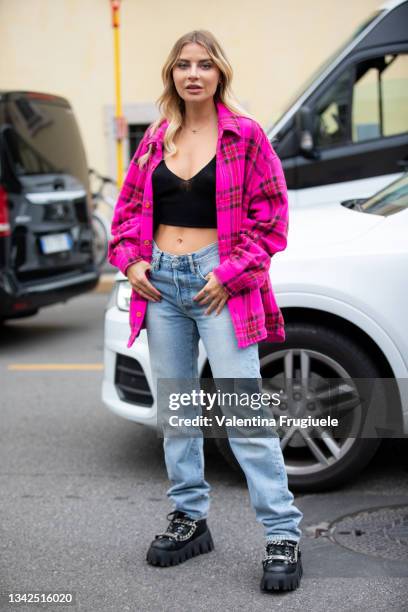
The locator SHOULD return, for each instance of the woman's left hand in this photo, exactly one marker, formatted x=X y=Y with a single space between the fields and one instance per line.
x=214 y=293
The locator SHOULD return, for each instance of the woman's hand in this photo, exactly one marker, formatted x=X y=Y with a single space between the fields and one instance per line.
x=136 y=274
x=214 y=293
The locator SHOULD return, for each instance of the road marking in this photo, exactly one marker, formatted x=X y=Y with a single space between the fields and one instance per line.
x=55 y=366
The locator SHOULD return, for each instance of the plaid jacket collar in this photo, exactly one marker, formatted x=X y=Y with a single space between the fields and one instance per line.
x=227 y=122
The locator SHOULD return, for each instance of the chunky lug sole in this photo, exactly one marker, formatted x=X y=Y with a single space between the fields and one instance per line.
x=164 y=558
x=290 y=582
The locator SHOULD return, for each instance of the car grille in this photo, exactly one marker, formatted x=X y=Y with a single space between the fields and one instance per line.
x=131 y=382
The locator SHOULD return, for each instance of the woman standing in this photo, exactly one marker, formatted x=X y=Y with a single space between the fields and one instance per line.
x=206 y=184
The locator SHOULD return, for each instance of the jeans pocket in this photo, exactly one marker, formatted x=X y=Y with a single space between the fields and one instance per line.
x=203 y=268
x=201 y=274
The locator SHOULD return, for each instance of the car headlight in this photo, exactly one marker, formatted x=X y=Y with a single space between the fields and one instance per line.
x=112 y=297
x=123 y=293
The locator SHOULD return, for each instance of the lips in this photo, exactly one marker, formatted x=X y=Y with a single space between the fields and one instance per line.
x=193 y=87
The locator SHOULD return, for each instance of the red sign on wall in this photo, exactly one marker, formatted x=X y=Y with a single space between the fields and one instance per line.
x=121 y=128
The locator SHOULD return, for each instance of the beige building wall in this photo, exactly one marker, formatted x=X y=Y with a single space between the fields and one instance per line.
x=66 y=47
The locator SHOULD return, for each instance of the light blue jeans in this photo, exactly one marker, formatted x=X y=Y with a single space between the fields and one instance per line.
x=174 y=326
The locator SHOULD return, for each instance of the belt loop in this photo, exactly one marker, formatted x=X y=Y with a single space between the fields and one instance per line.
x=156 y=259
x=159 y=256
x=191 y=262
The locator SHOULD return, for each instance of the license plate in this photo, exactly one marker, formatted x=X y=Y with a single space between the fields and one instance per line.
x=54 y=243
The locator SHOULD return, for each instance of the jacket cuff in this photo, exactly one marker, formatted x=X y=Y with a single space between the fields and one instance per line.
x=129 y=263
x=226 y=275
x=122 y=260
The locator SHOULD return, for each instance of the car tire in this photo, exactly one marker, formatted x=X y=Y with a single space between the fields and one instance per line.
x=335 y=348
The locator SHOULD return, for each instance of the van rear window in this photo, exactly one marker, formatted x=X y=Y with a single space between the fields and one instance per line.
x=42 y=137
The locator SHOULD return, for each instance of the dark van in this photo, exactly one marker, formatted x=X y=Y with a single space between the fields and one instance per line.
x=344 y=135
x=46 y=250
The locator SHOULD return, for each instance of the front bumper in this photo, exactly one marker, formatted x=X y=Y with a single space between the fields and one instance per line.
x=127 y=373
x=127 y=387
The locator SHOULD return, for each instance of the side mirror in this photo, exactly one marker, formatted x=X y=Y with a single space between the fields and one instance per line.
x=304 y=129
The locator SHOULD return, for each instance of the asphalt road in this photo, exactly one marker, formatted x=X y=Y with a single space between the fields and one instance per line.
x=83 y=493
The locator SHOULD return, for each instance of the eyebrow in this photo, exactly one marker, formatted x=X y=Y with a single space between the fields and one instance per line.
x=182 y=59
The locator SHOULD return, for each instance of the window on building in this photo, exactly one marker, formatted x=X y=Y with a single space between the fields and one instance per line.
x=136 y=133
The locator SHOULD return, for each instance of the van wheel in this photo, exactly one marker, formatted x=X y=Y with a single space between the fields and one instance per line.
x=311 y=356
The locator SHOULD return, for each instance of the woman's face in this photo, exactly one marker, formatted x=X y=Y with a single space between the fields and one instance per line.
x=195 y=67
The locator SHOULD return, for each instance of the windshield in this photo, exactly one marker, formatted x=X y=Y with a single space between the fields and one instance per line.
x=390 y=200
x=322 y=67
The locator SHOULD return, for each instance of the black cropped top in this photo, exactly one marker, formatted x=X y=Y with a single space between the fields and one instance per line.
x=188 y=203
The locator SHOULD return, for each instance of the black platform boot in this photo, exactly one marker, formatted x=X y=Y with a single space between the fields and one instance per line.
x=184 y=538
x=282 y=566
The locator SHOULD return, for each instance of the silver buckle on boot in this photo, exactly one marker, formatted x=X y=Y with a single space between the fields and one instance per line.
x=292 y=558
x=177 y=536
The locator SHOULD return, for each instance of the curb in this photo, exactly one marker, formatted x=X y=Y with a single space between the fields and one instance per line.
x=106 y=282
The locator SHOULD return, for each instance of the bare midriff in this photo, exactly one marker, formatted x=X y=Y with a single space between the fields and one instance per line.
x=181 y=240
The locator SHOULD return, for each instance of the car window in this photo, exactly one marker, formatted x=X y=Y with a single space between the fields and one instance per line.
x=41 y=137
x=332 y=112
x=390 y=200
x=367 y=101
x=380 y=97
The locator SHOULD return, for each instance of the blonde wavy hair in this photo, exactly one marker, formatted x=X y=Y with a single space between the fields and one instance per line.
x=171 y=105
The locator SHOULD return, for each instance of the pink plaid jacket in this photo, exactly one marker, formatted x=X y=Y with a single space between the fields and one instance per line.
x=252 y=223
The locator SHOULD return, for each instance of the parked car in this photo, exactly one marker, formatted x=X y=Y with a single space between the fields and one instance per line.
x=344 y=134
x=46 y=253
x=341 y=286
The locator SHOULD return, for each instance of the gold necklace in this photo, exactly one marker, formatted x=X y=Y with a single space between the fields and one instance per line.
x=196 y=130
